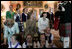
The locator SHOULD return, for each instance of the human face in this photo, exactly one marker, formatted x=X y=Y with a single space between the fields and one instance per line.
x=44 y=15
x=13 y=40
x=10 y=7
x=29 y=38
x=18 y=11
x=26 y=10
x=48 y=30
x=42 y=38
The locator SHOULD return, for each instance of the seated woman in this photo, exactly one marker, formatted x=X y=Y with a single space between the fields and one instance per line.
x=36 y=40
x=43 y=23
x=10 y=28
x=49 y=36
x=14 y=43
x=43 y=42
x=28 y=43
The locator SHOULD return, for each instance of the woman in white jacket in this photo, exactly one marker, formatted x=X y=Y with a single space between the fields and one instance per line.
x=43 y=22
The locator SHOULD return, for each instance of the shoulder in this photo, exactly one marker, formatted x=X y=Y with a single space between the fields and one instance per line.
x=8 y=11
x=40 y=18
x=24 y=45
x=15 y=23
x=47 y=19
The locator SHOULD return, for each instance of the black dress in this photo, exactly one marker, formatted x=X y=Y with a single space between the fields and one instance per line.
x=24 y=17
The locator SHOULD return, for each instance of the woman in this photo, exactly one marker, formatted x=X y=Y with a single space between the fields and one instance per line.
x=28 y=43
x=14 y=43
x=10 y=28
x=43 y=22
x=10 y=13
x=24 y=15
x=43 y=41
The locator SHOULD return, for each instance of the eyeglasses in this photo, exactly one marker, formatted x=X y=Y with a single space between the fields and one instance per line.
x=29 y=38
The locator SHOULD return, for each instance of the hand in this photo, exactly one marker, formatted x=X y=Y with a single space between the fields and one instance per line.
x=3 y=44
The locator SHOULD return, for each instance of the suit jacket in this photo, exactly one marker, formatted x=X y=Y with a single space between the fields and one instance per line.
x=24 y=17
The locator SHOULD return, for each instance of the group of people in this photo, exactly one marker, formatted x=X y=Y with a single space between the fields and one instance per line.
x=21 y=31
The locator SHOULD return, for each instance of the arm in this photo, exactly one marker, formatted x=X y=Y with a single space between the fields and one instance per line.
x=48 y=23
x=39 y=23
x=5 y=35
x=24 y=46
x=52 y=38
x=17 y=28
x=7 y=14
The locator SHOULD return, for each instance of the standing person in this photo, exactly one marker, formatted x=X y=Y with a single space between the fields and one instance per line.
x=50 y=16
x=10 y=28
x=10 y=13
x=29 y=42
x=24 y=15
x=67 y=6
x=17 y=18
x=14 y=43
x=67 y=22
x=43 y=22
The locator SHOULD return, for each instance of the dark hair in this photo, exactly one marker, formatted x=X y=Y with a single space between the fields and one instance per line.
x=18 y=37
x=16 y=9
x=11 y=5
x=42 y=14
x=60 y=7
x=24 y=9
x=28 y=35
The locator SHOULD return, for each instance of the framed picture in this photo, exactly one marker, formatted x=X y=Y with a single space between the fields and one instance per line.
x=40 y=11
x=33 y=3
x=13 y=2
x=46 y=6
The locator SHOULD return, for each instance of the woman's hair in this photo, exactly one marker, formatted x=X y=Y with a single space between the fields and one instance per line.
x=42 y=34
x=10 y=5
x=42 y=14
x=28 y=35
x=24 y=9
x=17 y=36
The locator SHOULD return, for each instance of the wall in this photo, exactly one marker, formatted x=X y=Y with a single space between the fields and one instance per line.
x=50 y=4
